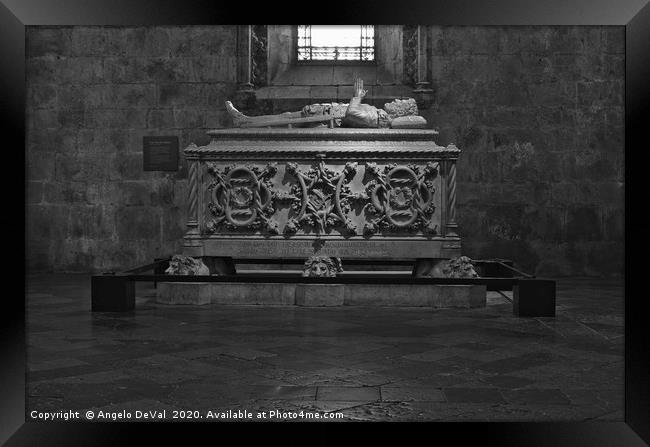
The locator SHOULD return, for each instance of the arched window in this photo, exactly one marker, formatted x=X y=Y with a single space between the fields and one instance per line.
x=355 y=43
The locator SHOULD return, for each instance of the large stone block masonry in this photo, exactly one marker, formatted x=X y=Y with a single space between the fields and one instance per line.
x=555 y=91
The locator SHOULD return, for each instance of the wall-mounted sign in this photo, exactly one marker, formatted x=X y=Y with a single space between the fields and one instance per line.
x=160 y=153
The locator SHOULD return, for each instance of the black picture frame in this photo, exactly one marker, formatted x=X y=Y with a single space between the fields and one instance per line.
x=16 y=14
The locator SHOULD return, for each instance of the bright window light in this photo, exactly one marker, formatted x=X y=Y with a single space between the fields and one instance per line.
x=336 y=43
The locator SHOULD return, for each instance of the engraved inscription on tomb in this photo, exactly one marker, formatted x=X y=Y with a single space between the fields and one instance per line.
x=303 y=248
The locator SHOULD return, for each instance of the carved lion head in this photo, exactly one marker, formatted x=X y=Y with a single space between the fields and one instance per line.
x=321 y=266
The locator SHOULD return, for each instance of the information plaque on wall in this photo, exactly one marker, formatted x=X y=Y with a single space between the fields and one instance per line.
x=160 y=153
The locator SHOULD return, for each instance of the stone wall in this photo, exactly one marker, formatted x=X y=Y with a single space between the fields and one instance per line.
x=537 y=111
x=539 y=115
x=92 y=94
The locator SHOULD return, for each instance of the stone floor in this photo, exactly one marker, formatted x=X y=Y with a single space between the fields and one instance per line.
x=368 y=364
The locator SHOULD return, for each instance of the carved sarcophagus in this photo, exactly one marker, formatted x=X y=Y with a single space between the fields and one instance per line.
x=348 y=193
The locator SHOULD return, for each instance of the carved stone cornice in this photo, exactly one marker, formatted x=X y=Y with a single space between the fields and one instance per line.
x=278 y=150
x=337 y=134
x=339 y=143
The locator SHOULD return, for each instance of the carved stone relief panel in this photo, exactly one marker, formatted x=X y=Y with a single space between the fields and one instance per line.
x=401 y=198
x=318 y=197
x=321 y=198
x=241 y=197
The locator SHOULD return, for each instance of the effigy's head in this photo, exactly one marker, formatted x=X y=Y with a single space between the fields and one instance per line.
x=401 y=107
x=320 y=266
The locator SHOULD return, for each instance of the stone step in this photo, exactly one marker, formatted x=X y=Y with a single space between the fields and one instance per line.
x=296 y=294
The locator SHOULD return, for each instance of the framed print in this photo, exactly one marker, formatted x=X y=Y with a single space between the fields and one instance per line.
x=419 y=224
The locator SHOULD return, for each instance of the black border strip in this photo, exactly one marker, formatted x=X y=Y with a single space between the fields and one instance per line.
x=634 y=14
x=439 y=12
x=637 y=117
x=12 y=314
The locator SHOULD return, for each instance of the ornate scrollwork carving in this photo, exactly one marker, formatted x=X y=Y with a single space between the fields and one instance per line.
x=259 y=55
x=396 y=198
x=321 y=198
x=401 y=197
x=410 y=43
x=242 y=196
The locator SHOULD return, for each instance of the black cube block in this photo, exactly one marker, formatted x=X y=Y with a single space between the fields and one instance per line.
x=112 y=293
x=534 y=298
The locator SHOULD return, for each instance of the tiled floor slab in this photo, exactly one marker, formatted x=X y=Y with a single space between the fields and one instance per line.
x=366 y=363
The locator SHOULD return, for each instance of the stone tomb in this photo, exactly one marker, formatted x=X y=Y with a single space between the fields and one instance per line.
x=349 y=193
x=362 y=194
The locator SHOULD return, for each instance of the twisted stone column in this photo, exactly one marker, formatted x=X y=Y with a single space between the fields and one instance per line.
x=193 y=202
x=452 y=226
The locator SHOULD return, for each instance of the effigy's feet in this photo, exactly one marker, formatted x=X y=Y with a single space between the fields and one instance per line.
x=238 y=118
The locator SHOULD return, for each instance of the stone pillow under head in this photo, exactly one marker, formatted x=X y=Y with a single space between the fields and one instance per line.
x=401 y=107
x=409 y=122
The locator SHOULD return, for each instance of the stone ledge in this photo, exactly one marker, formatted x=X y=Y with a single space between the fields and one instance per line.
x=260 y=293
x=320 y=294
x=407 y=295
x=324 y=134
x=419 y=295
x=184 y=293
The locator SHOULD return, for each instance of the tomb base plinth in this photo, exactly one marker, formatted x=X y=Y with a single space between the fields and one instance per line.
x=318 y=295
x=197 y=293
